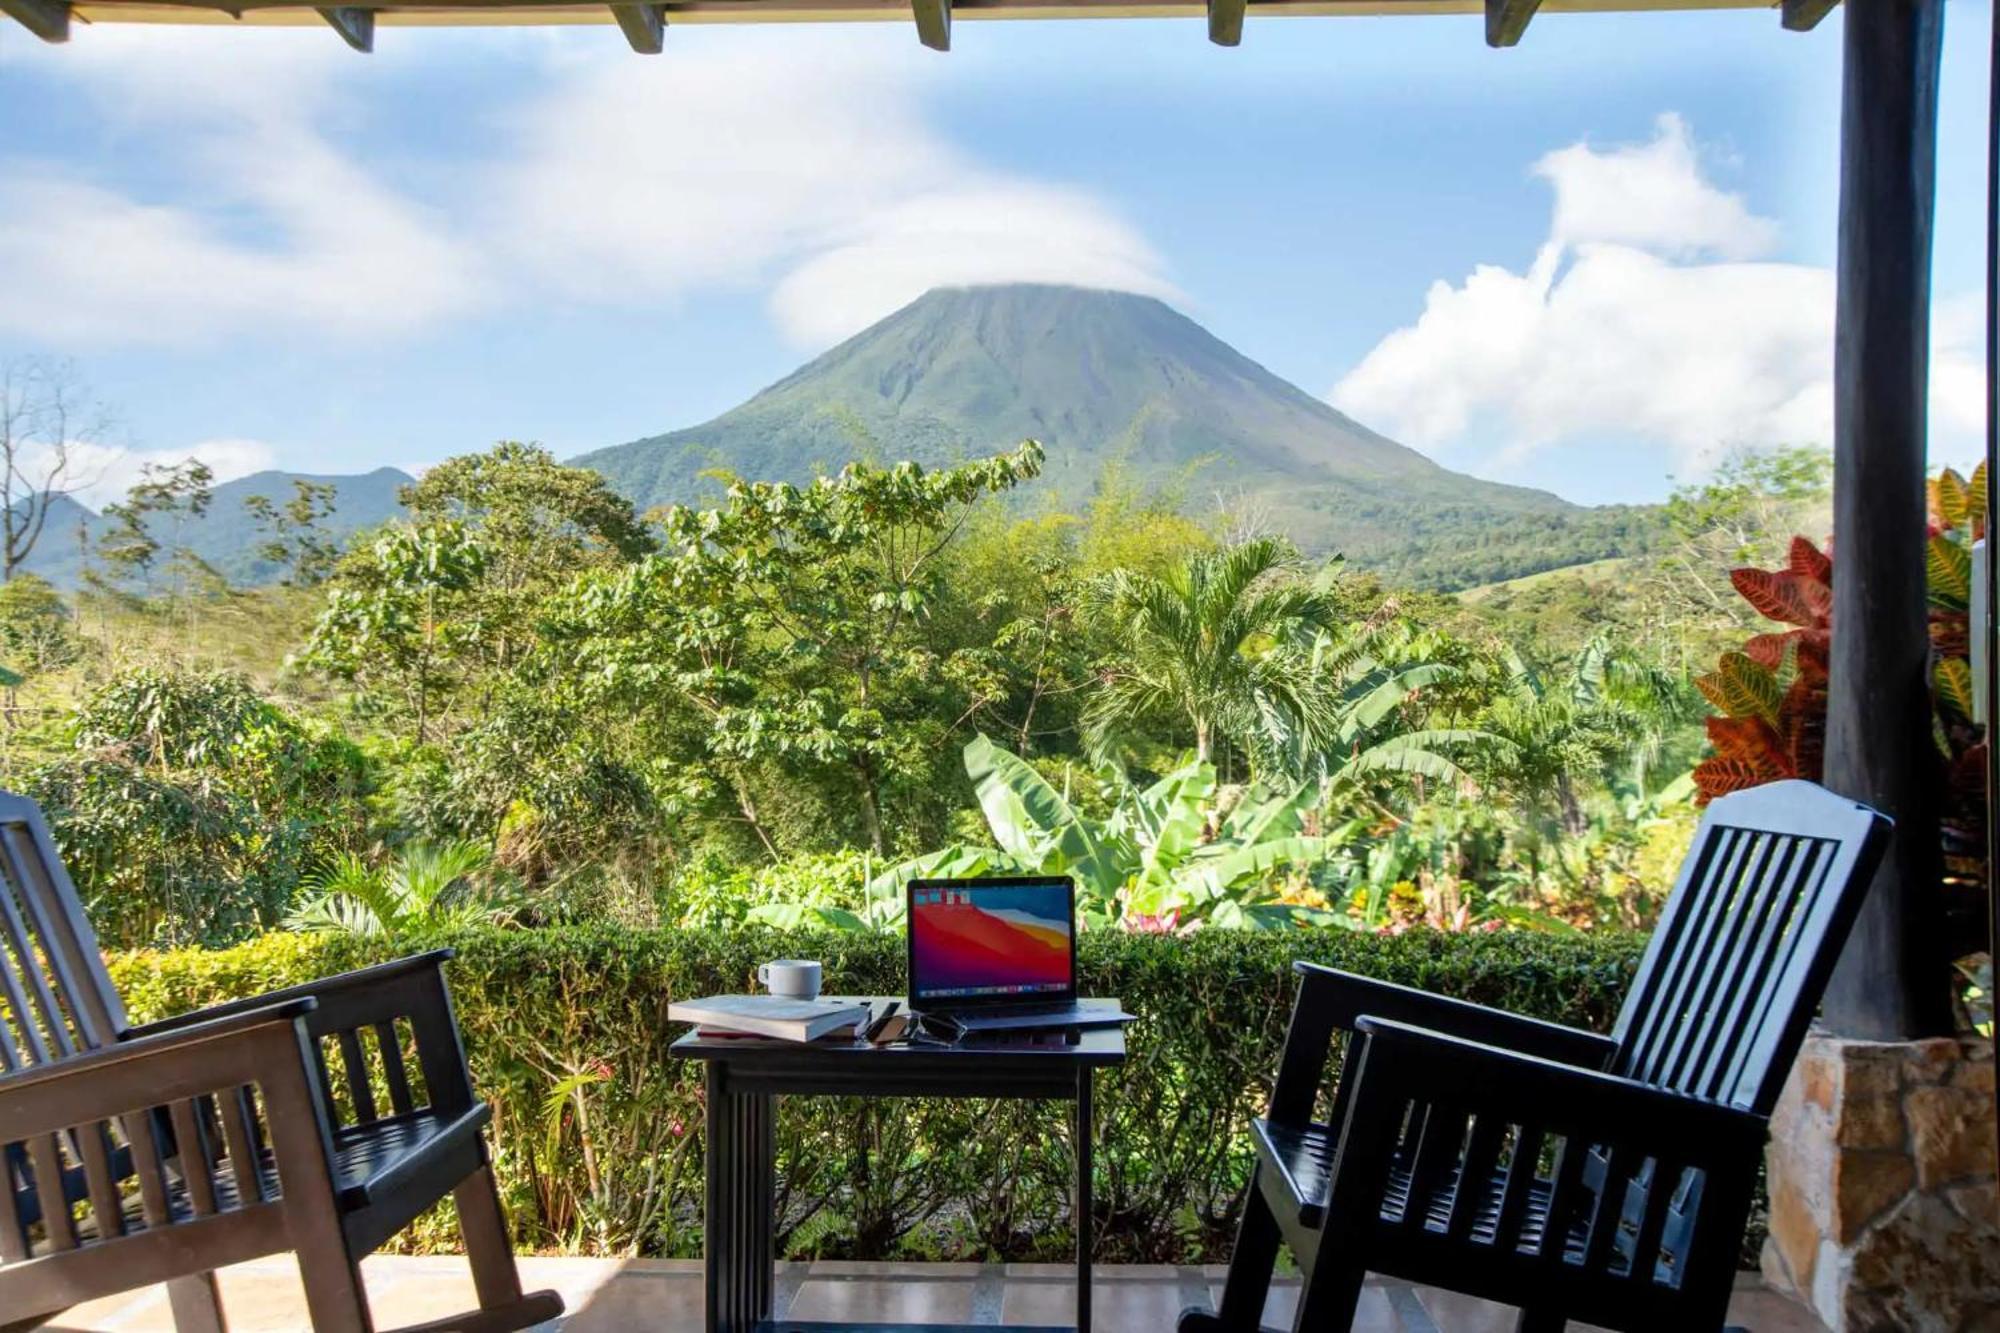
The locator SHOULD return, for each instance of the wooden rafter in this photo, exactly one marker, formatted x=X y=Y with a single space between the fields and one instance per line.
x=933 y=23
x=355 y=26
x=481 y=13
x=1804 y=15
x=645 y=26
x=47 y=19
x=1506 y=20
x=1225 y=22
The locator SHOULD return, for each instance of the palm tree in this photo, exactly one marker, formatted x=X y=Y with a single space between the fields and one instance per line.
x=1553 y=732
x=422 y=887
x=1196 y=647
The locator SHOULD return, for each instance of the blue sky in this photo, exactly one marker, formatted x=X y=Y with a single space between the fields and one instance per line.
x=1588 y=263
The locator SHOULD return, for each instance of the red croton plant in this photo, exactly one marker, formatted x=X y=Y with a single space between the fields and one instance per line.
x=1771 y=696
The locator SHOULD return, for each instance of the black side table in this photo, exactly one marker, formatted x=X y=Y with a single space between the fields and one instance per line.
x=747 y=1075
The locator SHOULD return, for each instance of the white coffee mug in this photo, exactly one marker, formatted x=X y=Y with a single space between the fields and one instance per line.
x=793 y=978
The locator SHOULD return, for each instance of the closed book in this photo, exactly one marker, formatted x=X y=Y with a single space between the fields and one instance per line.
x=768 y=1015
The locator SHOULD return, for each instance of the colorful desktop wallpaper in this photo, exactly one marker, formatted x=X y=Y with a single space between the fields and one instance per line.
x=991 y=940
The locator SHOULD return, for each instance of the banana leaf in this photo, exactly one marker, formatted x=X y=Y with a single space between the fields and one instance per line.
x=1033 y=823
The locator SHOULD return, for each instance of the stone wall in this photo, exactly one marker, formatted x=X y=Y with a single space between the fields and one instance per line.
x=1882 y=1180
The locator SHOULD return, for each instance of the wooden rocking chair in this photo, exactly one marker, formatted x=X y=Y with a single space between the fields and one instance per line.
x=1578 y=1177
x=131 y=1156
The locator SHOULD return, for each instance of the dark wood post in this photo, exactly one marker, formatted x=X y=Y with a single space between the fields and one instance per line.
x=1892 y=980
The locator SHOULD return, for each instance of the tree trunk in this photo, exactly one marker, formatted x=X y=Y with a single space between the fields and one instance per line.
x=871 y=813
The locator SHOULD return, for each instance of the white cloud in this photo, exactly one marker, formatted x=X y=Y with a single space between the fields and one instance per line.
x=979 y=231
x=100 y=473
x=810 y=166
x=1638 y=318
x=291 y=232
x=1652 y=196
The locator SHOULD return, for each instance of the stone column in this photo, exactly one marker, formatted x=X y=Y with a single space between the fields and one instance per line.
x=1883 y=1186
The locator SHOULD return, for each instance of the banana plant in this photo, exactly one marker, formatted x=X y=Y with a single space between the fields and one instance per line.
x=1179 y=853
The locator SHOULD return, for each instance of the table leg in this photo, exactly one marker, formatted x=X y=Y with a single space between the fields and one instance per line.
x=737 y=1221
x=1083 y=1199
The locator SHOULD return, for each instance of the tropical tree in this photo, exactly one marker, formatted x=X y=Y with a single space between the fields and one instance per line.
x=538 y=524
x=295 y=541
x=170 y=493
x=400 y=617
x=187 y=806
x=1196 y=647
x=792 y=628
x=1556 y=732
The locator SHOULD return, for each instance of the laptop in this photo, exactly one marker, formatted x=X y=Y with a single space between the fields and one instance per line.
x=993 y=955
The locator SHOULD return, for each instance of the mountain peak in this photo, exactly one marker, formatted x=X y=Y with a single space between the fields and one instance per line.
x=1096 y=375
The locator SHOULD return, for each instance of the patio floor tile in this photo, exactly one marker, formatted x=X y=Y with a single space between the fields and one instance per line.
x=665 y=1296
x=885 y=1301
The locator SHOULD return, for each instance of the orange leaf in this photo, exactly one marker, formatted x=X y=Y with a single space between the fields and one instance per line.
x=1719 y=777
x=1777 y=595
x=1712 y=689
x=1951 y=633
x=1813 y=647
x=1752 y=741
x=1808 y=561
x=1802 y=718
x=1768 y=650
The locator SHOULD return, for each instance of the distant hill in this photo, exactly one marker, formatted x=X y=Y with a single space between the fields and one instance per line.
x=1096 y=375
x=226 y=536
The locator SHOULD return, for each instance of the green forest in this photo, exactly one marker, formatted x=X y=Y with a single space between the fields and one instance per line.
x=527 y=704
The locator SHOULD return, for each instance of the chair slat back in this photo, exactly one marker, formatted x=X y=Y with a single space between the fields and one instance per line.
x=1735 y=971
x=56 y=999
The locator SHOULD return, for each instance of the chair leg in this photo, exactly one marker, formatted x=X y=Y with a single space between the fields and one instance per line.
x=1248 y=1285
x=336 y=1301
x=483 y=1228
x=196 y=1305
x=1329 y=1297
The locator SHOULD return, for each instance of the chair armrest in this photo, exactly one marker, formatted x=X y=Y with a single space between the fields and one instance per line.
x=211 y=1056
x=411 y=990
x=1342 y=998
x=325 y=989
x=1409 y=1061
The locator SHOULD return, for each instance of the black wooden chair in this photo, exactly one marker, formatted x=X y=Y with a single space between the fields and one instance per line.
x=131 y=1156
x=1579 y=1177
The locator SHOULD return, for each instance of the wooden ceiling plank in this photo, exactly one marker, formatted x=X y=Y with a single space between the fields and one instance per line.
x=645 y=26
x=355 y=26
x=1804 y=15
x=47 y=19
x=1506 y=20
x=1225 y=22
x=933 y=23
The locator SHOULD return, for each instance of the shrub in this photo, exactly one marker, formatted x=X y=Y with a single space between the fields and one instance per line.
x=612 y=1162
x=187 y=807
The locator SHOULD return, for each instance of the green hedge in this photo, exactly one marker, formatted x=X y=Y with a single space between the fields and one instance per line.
x=614 y=1166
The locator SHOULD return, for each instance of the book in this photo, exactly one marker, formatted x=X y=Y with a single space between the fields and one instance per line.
x=768 y=1015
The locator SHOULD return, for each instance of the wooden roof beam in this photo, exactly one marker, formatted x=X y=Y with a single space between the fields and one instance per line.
x=645 y=26
x=1804 y=15
x=355 y=26
x=47 y=19
x=933 y=23
x=1225 y=22
x=1506 y=20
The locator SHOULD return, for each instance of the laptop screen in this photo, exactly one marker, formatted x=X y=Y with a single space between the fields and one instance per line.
x=992 y=940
